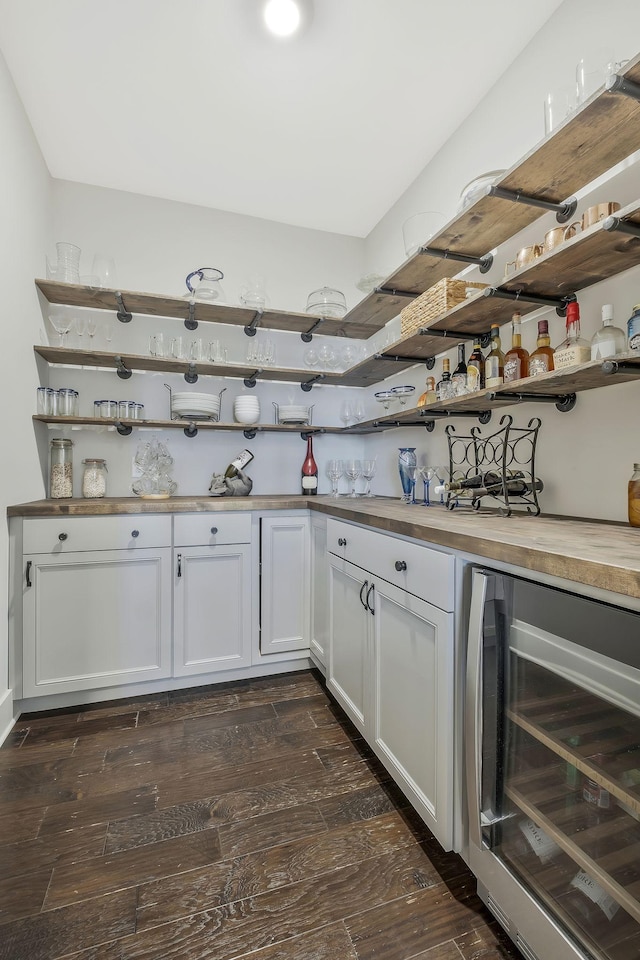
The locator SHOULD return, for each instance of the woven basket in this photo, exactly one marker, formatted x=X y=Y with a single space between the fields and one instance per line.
x=439 y=298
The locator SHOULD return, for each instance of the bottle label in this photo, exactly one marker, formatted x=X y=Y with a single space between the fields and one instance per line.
x=309 y=483
x=492 y=377
x=512 y=369
x=473 y=379
x=633 y=331
x=542 y=845
x=571 y=355
x=538 y=365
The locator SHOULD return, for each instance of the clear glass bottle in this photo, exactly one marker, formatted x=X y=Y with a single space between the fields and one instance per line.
x=444 y=388
x=516 y=361
x=541 y=360
x=574 y=349
x=94 y=478
x=634 y=496
x=494 y=361
x=608 y=341
x=60 y=469
x=429 y=395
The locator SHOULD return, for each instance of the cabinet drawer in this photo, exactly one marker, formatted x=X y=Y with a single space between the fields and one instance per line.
x=69 y=534
x=199 y=529
x=425 y=572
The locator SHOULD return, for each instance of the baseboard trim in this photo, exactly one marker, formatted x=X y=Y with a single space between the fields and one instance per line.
x=7 y=718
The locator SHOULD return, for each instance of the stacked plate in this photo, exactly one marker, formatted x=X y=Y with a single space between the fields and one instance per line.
x=293 y=413
x=203 y=406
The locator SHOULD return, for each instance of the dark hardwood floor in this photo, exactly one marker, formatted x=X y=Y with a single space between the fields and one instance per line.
x=221 y=822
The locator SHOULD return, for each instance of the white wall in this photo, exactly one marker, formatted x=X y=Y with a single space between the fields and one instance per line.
x=586 y=456
x=25 y=188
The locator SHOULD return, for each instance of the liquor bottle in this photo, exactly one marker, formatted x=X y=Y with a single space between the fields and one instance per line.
x=608 y=341
x=494 y=361
x=444 y=390
x=541 y=360
x=573 y=349
x=239 y=463
x=459 y=375
x=475 y=368
x=309 y=471
x=429 y=395
x=516 y=361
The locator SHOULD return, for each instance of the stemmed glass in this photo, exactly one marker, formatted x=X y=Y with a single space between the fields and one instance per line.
x=427 y=474
x=92 y=329
x=346 y=413
x=411 y=473
x=80 y=328
x=368 y=473
x=442 y=473
x=358 y=412
x=61 y=323
x=334 y=470
x=353 y=470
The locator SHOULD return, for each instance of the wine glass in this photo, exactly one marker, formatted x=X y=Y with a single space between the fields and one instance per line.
x=346 y=413
x=442 y=473
x=411 y=470
x=61 y=323
x=368 y=473
x=353 y=470
x=427 y=474
x=108 y=332
x=334 y=470
x=358 y=411
x=92 y=328
x=80 y=328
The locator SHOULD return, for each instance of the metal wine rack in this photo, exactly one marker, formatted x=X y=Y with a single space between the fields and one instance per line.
x=509 y=452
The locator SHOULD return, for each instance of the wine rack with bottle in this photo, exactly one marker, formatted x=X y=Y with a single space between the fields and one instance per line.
x=499 y=468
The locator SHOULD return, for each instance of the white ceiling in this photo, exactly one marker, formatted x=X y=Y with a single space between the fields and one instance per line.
x=189 y=100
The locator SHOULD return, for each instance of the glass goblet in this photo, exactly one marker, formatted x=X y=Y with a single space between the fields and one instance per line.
x=334 y=470
x=427 y=474
x=346 y=413
x=368 y=473
x=61 y=324
x=353 y=470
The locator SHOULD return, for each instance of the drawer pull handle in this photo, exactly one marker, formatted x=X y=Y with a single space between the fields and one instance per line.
x=62 y=537
x=135 y=533
x=179 y=564
x=28 y=573
x=362 y=589
x=342 y=542
x=367 y=604
x=401 y=566
x=214 y=530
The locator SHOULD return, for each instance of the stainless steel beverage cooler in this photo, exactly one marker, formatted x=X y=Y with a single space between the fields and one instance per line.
x=553 y=767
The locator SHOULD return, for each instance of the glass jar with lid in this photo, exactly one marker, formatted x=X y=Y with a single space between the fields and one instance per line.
x=94 y=478
x=60 y=468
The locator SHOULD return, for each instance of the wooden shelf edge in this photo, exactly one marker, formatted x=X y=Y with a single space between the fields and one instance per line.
x=182 y=424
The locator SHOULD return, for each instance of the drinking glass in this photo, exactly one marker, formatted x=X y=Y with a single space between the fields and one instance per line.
x=80 y=328
x=61 y=323
x=335 y=469
x=105 y=268
x=177 y=348
x=353 y=470
x=411 y=471
x=358 y=411
x=442 y=474
x=108 y=331
x=368 y=473
x=269 y=353
x=345 y=413
x=427 y=474
x=92 y=328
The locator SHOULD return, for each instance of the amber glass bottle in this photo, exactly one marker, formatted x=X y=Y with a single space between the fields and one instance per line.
x=516 y=361
x=541 y=360
x=494 y=361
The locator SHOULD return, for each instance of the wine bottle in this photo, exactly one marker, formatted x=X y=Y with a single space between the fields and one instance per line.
x=494 y=361
x=309 y=471
x=459 y=375
x=488 y=479
x=239 y=463
x=475 y=368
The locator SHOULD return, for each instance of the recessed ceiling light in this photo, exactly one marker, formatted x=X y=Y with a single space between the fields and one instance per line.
x=284 y=17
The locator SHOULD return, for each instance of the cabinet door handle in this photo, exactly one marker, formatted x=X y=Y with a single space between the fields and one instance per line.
x=28 y=573
x=214 y=530
x=135 y=533
x=342 y=542
x=62 y=537
x=362 y=589
x=367 y=604
x=179 y=564
x=401 y=566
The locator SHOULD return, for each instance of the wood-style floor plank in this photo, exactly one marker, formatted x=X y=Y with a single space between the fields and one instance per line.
x=242 y=820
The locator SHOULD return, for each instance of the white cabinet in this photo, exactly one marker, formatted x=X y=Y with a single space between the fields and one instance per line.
x=284 y=583
x=319 y=636
x=391 y=658
x=100 y=617
x=212 y=593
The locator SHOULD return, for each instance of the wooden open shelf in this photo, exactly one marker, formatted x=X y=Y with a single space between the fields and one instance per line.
x=595 y=138
x=182 y=424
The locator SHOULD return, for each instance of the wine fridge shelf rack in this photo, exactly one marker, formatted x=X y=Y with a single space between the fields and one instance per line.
x=508 y=452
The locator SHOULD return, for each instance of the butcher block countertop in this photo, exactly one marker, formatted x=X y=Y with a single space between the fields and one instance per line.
x=595 y=553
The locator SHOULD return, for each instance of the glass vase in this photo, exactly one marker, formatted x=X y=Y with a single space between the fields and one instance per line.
x=407 y=469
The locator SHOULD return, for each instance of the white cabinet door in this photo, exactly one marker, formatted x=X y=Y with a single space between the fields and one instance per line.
x=349 y=640
x=319 y=589
x=411 y=728
x=212 y=609
x=284 y=584
x=96 y=619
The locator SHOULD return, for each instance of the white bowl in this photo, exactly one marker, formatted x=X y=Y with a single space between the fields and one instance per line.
x=244 y=416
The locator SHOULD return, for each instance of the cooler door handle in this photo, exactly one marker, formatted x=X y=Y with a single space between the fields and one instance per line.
x=473 y=704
